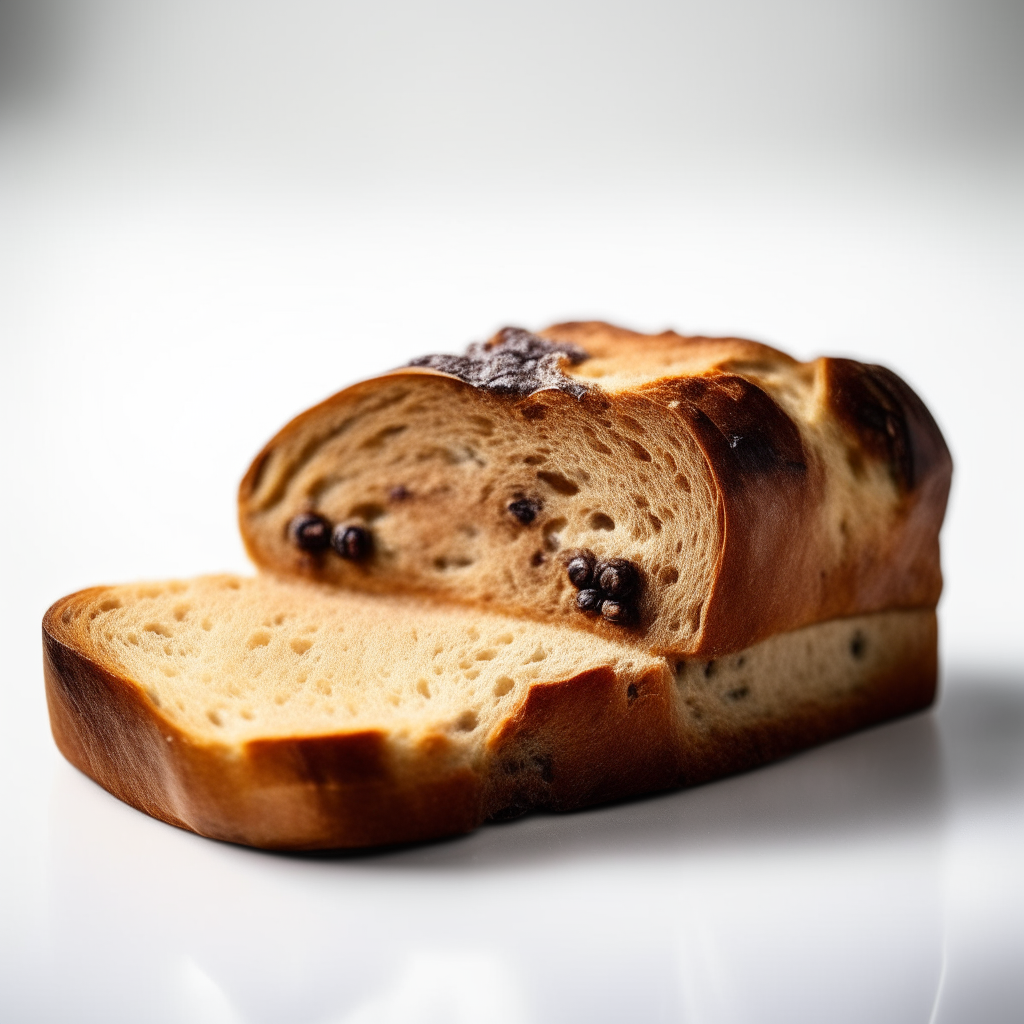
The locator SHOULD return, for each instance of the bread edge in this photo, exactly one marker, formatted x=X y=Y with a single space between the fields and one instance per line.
x=612 y=739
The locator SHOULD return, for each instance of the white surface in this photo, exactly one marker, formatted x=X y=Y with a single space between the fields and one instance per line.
x=160 y=338
x=216 y=214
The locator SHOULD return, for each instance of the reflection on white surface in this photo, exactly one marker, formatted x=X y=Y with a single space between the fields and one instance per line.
x=828 y=887
x=445 y=987
x=200 y=999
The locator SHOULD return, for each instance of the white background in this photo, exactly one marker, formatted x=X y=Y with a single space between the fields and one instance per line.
x=214 y=214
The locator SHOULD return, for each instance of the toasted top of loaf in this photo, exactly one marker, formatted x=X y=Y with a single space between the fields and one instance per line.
x=735 y=492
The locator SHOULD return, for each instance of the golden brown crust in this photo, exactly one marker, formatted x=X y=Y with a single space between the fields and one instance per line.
x=570 y=743
x=295 y=793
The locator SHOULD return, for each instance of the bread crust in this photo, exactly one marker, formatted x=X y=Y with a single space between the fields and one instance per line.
x=829 y=480
x=594 y=737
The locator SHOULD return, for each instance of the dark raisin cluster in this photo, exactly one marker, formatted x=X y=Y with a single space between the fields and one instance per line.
x=610 y=586
x=314 y=533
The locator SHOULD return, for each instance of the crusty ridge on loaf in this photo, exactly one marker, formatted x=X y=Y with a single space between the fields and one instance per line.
x=290 y=715
x=749 y=493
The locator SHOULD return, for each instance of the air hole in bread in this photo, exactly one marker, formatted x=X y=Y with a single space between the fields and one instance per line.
x=133 y=638
x=502 y=685
x=382 y=436
x=539 y=654
x=461 y=454
x=466 y=722
x=444 y=563
x=600 y=521
x=207 y=624
x=668 y=576
x=108 y=604
x=486 y=655
x=259 y=639
x=504 y=638
x=423 y=688
x=180 y=611
x=324 y=687
x=485 y=425
x=300 y=644
x=158 y=628
x=632 y=693
x=601 y=449
x=559 y=483
x=694 y=616
x=682 y=483
x=535 y=460
x=368 y=511
x=637 y=450
x=215 y=717
x=552 y=533
x=655 y=522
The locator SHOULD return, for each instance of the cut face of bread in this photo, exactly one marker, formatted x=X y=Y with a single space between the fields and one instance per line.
x=289 y=715
x=739 y=492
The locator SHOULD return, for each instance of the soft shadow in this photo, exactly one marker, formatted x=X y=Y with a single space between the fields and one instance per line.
x=981 y=730
x=896 y=779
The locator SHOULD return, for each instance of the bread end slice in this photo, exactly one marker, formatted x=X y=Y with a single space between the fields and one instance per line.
x=215 y=705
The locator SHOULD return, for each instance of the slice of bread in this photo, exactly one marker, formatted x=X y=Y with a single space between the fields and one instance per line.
x=743 y=493
x=293 y=715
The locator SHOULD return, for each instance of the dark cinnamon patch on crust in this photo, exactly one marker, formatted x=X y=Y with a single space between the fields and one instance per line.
x=743 y=427
x=514 y=362
x=890 y=423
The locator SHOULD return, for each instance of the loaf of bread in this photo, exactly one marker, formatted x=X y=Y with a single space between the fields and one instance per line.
x=562 y=569
x=297 y=716
x=743 y=493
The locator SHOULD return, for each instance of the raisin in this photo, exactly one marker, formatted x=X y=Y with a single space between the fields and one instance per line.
x=310 y=532
x=581 y=570
x=617 y=612
x=588 y=600
x=618 y=578
x=353 y=543
x=525 y=510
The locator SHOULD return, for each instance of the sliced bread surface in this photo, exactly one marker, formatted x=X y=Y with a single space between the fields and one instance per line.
x=751 y=494
x=288 y=715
